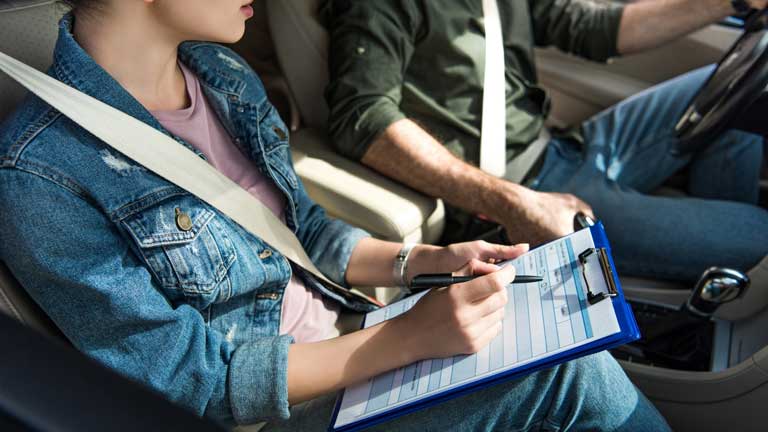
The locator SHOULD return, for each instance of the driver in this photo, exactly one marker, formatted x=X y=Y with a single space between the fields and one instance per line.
x=406 y=98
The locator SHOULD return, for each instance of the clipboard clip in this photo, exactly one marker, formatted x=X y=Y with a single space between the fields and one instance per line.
x=605 y=266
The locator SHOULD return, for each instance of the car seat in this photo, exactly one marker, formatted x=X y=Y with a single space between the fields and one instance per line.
x=28 y=32
x=349 y=190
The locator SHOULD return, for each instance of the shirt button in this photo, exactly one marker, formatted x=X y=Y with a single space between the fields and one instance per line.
x=183 y=221
x=360 y=50
x=266 y=253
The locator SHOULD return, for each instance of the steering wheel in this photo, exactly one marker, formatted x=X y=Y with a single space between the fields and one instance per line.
x=739 y=79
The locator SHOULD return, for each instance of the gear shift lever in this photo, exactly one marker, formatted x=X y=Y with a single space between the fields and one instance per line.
x=683 y=338
x=716 y=287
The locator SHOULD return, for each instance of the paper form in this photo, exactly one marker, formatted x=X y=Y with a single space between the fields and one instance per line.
x=541 y=319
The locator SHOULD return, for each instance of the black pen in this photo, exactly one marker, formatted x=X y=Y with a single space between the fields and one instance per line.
x=445 y=279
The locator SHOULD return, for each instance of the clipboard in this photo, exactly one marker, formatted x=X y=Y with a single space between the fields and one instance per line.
x=628 y=332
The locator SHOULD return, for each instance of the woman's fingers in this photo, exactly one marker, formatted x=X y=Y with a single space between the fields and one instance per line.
x=484 y=286
x=473 y=313
x=498 y=252
x=479 y=334
x=476 y=267
x=491 y=304
x=490 y=334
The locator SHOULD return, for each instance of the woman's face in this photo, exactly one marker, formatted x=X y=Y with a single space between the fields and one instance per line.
x=206 y=20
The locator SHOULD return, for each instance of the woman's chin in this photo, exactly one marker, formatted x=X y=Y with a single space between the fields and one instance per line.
x=234 y=34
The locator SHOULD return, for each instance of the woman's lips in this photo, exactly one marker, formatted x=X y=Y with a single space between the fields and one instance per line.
x=247 y=10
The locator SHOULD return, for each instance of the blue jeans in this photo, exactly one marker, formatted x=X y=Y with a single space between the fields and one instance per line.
x=627 y=156
x=588 y=394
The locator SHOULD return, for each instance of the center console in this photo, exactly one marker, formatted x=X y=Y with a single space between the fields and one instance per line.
x=703 y=370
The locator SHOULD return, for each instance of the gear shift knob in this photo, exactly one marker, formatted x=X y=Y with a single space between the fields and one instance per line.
x=716 y=287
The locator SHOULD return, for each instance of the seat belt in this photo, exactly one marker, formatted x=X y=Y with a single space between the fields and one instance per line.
x=171 y=161
x=493 y=135
x=519 y=167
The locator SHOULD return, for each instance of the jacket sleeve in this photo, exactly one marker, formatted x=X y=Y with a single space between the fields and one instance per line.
x=587 y=28
x=372 y=42
x=72 y=260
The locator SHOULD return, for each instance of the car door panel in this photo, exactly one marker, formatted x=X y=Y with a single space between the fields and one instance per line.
x=580 y=88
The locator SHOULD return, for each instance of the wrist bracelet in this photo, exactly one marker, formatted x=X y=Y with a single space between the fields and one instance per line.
x=401 y=265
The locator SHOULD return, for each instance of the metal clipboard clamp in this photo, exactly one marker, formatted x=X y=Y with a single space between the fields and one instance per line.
x=605 y=266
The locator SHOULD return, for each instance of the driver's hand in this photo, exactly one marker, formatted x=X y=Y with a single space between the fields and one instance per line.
x=758 y=4
x=544 y=217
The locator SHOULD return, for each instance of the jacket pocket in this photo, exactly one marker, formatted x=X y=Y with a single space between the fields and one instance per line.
x=187 y=249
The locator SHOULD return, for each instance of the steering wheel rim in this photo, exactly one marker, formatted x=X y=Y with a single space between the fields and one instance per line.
x=739 y=79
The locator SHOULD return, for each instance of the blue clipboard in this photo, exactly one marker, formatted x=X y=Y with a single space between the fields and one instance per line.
x=629 y=332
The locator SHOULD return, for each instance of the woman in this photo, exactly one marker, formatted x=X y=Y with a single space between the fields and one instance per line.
x=161 y=287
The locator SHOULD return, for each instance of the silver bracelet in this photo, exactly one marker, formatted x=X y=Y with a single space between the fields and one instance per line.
x=401 y=265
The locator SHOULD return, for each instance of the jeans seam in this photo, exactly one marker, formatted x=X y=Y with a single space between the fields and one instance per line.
x=554 y=425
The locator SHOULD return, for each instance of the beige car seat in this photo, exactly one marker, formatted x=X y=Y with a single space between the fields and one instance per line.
x=28 y=32
x=347 y=189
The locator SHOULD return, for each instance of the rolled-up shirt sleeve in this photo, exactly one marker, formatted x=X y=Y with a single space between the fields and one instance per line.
x=372 y=42
x=72 y=260
x=587 y=28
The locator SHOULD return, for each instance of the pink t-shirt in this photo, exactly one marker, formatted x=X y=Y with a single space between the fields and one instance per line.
x=306 y=315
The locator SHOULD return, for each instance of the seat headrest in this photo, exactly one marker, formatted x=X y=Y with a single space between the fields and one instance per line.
x=301 y=43
x=28 y=32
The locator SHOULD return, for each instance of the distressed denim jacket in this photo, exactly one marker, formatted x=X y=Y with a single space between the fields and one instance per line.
x=93 y=237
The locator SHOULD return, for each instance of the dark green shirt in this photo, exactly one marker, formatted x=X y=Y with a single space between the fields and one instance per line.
x=424 y=60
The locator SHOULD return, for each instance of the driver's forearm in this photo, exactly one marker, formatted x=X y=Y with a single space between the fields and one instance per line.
x=651 y=23
x=407 y=153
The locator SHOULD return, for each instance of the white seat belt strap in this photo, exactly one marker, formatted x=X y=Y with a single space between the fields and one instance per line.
x=519 y=167
x=167 y=158
x=493 y=134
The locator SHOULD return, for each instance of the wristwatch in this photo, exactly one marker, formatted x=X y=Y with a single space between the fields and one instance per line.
x=741 y=6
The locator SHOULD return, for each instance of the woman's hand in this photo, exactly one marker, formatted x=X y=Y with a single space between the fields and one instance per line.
x=459 y=319
x=455 y=258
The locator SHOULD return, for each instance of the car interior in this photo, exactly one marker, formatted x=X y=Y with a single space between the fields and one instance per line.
x=703 y=373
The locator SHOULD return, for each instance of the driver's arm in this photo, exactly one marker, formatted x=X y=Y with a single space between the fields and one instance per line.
x=647 y=24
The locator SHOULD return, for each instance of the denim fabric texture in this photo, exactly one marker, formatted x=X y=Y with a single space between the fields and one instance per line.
x=588 y=394
x=628 y=155
x=193 y=313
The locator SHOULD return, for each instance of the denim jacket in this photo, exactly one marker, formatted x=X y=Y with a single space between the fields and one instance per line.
x=92 y=237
